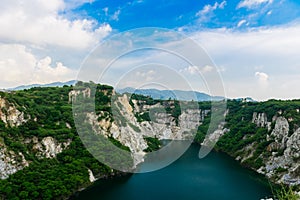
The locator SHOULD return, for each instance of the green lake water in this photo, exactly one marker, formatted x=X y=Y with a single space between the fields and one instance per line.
x=216 y=177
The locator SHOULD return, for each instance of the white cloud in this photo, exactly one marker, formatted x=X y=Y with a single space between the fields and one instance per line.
x=253 y=3
x=208 y=9
x=70 y=4
x=262 y=76
x=19 y=66
x=274 y=49
x=38 y=36
x=193 y=70
x=148 y=75
x=115 y=16
x=243 y=21
x=39 y=23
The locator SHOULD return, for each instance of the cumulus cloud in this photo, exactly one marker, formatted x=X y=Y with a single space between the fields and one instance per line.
x=262 y=76
x=40 y=23
x=19 y=66
x=253 y=3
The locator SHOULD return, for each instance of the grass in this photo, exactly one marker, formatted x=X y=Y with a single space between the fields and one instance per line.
x=285 y=193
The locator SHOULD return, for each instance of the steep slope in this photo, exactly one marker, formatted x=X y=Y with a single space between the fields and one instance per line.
x=265 y=137
x=41 y=155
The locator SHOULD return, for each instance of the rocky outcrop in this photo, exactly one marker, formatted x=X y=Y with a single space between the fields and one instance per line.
x=247 y=152
x=91 y=176
x=261 y=120
x=280 y=132
x=216 y=135
x=10 y=115
x=86 y=93
x=293 y=146
x=49 y=147
x=283 y=167
x=10 y=162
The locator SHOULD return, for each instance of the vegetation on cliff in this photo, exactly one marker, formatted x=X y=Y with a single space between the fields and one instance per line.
x=50 y=115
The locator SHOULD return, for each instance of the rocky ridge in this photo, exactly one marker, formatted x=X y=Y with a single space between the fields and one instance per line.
x=10 y=115
x=283 y=164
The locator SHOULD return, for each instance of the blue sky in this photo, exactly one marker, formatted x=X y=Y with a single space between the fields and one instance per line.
x=192 y=14
x=253 y=43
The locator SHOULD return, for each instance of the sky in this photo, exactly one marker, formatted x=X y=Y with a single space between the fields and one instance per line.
x=252 y=46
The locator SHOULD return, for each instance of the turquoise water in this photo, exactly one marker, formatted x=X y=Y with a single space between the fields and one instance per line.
x=216 y=177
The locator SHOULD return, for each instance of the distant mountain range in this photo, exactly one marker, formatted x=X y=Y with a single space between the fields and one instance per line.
x=154 y=93
x=55 y=84
x=172 y=94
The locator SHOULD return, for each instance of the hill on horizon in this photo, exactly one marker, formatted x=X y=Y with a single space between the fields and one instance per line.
x=54 y=84
x=172 y=94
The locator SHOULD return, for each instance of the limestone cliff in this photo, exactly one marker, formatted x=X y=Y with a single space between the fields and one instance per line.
x=125 y=127
x=10 y=115
x=48 y=147
x=281 y=158
x=10 y=162
x=283 y=167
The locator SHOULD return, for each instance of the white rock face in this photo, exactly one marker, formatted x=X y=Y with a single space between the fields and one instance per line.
x=261 y=120
x=49 y=147
x=248 y=152
x=74 y=93
x=291 y=147
x=281 y=131
x=216 y=135
x=126 y=129
x=10 y=115
x=91 y=176
x=11 y=162
x=8 y=162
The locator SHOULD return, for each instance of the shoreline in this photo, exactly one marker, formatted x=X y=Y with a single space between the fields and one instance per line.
x=98 y=180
